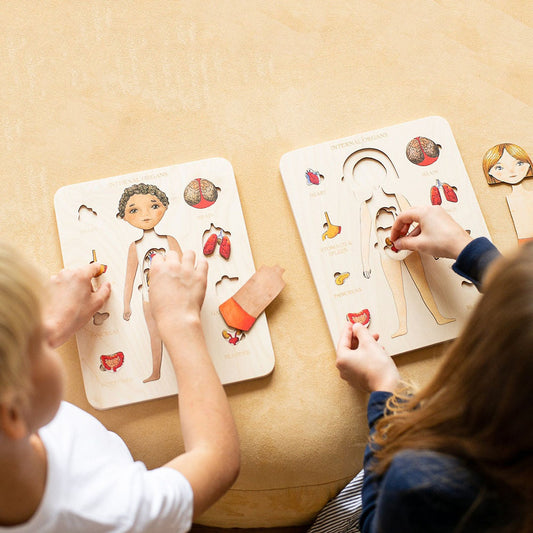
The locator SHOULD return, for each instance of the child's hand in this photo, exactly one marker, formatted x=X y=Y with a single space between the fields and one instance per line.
x=72 y=301
x=437 y=232
x=363 y=363
x=177 y=288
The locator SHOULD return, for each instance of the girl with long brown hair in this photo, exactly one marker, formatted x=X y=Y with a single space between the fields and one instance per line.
x=455 y=456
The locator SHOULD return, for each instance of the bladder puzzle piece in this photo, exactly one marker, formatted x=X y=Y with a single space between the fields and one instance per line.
x=368 y=179
x=510 y=163
x=123 y=222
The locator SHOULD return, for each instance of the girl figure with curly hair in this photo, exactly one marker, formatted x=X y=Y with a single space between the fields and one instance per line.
x=143 y=206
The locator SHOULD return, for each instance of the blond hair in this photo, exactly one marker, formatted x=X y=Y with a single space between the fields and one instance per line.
x=493 y=155
x=478 y=405
x=20 y=318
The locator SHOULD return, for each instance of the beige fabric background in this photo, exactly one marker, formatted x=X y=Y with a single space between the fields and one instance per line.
x=92 y=89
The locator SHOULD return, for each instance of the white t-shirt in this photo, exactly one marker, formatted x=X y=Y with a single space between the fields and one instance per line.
x=94 y=485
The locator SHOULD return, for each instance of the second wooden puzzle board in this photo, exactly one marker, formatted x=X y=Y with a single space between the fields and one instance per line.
x=203 y=213
x=345 y=195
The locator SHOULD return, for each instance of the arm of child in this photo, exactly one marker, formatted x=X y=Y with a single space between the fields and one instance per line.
x=363 y=363
x=72 y=301
x=211 y=460
x=131 y=268
x=436 y=234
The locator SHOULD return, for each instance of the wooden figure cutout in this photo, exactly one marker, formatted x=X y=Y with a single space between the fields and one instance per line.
x=509 y=163
x=242 y=309
x=377 y=173
x=143 y=206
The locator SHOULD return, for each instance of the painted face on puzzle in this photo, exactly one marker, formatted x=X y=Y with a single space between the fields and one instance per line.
x=144 y=211
x=509 y=169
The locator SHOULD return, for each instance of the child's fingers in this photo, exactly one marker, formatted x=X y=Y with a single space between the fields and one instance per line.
x=202 y=266
x=402 y=223
x=158 y=259
x=345 y=338
x=399 y=231
x=363 y=336
x=92 y=270
x=101 y=295
x=188 y=259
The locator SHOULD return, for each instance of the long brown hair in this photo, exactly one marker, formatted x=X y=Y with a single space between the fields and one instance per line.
x=478 y=405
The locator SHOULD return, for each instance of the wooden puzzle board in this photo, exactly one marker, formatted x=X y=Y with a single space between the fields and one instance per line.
x=345 y=195
x=87 y=220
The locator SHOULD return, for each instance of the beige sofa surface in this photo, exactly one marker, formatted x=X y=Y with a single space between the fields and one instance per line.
x=92 y=89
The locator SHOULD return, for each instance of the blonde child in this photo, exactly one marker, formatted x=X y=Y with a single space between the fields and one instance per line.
x=61 y=469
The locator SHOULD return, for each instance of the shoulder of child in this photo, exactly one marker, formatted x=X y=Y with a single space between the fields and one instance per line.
x=432 y=491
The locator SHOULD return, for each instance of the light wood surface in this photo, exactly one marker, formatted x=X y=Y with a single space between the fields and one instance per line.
x=419 y=301
x=92 y=89
x=108 y=236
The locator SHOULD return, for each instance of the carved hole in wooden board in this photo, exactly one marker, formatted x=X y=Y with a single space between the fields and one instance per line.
x=100 y=318
x=369 y=171
x=225 y=287
x=233 y=336
x=86 y=214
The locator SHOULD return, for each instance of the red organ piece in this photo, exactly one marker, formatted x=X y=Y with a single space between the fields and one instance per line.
x=449 y=193
x=209 y=246
x=363 y=317
x=225 y=247
x=200 y=193
x=435 y=196
x=422 y=151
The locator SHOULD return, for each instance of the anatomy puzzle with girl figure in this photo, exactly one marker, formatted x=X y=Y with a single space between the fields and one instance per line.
x=122 y=222
x=345 y=195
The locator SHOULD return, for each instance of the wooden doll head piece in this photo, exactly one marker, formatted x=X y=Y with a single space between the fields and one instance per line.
x=507 y=163
x=142 y=205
